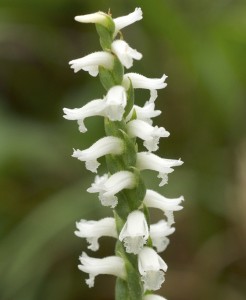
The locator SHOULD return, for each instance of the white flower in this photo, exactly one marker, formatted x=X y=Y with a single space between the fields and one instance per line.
x=115 y=100
x=146 y=160
x=104 y=146
x=168 y=206
x=91 y=62
x=151 y=267
x=93 y=108
x=158 y=233
x=98 y=17
x=147 y=112
x=153 y=297
x=124 y=21
x=108 y=187
x=141 y=82
x=125 y=53
x=93 y=230
x=135 y=232
x=111 y=265
x=146 y=132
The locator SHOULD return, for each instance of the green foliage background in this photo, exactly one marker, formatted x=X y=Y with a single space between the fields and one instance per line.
x=201 y=46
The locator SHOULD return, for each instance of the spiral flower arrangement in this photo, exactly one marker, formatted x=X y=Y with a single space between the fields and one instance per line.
x=139 y=268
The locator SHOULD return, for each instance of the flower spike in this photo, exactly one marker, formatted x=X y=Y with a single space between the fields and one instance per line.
x=137 y=264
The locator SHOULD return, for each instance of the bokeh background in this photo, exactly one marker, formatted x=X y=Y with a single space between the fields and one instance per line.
x=201 y=46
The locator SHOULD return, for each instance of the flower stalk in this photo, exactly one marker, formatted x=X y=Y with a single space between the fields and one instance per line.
x=135 y=263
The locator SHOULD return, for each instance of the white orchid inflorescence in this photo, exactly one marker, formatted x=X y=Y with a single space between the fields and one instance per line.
x=136 y=264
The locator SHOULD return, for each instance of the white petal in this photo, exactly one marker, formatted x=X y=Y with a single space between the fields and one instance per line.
x=135 y=232
x=98 y=17
x=119 y=181
x=146 y=132
x=147 y=112
x=111 y=265
x=141 y=82
x=156 y=200
x=93 y=230
x=98 y=185
x=151 y=267
x=125 y=53
x=131 y=18
x=93 y=108
x=116 y=101
x=159 y=233
x=104 y=146
x=146 y=160
x=92 y=61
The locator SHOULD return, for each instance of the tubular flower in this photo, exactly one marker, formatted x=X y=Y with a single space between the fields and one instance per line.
x=115 y=103
x=135 y=232
x=146 y=132
x=159 y=233
x=141 y=82
x=104 y=146
x=146 y=160
x=93 y=230
x=91 y=62
x=152 y=267
x=111 y=265
x=125 y=53
x=108 y=188
x=93 y=108
x=168 y=206
x=147 y=112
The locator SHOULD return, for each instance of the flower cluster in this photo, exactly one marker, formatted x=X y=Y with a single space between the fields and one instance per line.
x=122 y=188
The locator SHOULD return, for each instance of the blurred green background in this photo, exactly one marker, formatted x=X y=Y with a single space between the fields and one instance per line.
x=201 y=46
